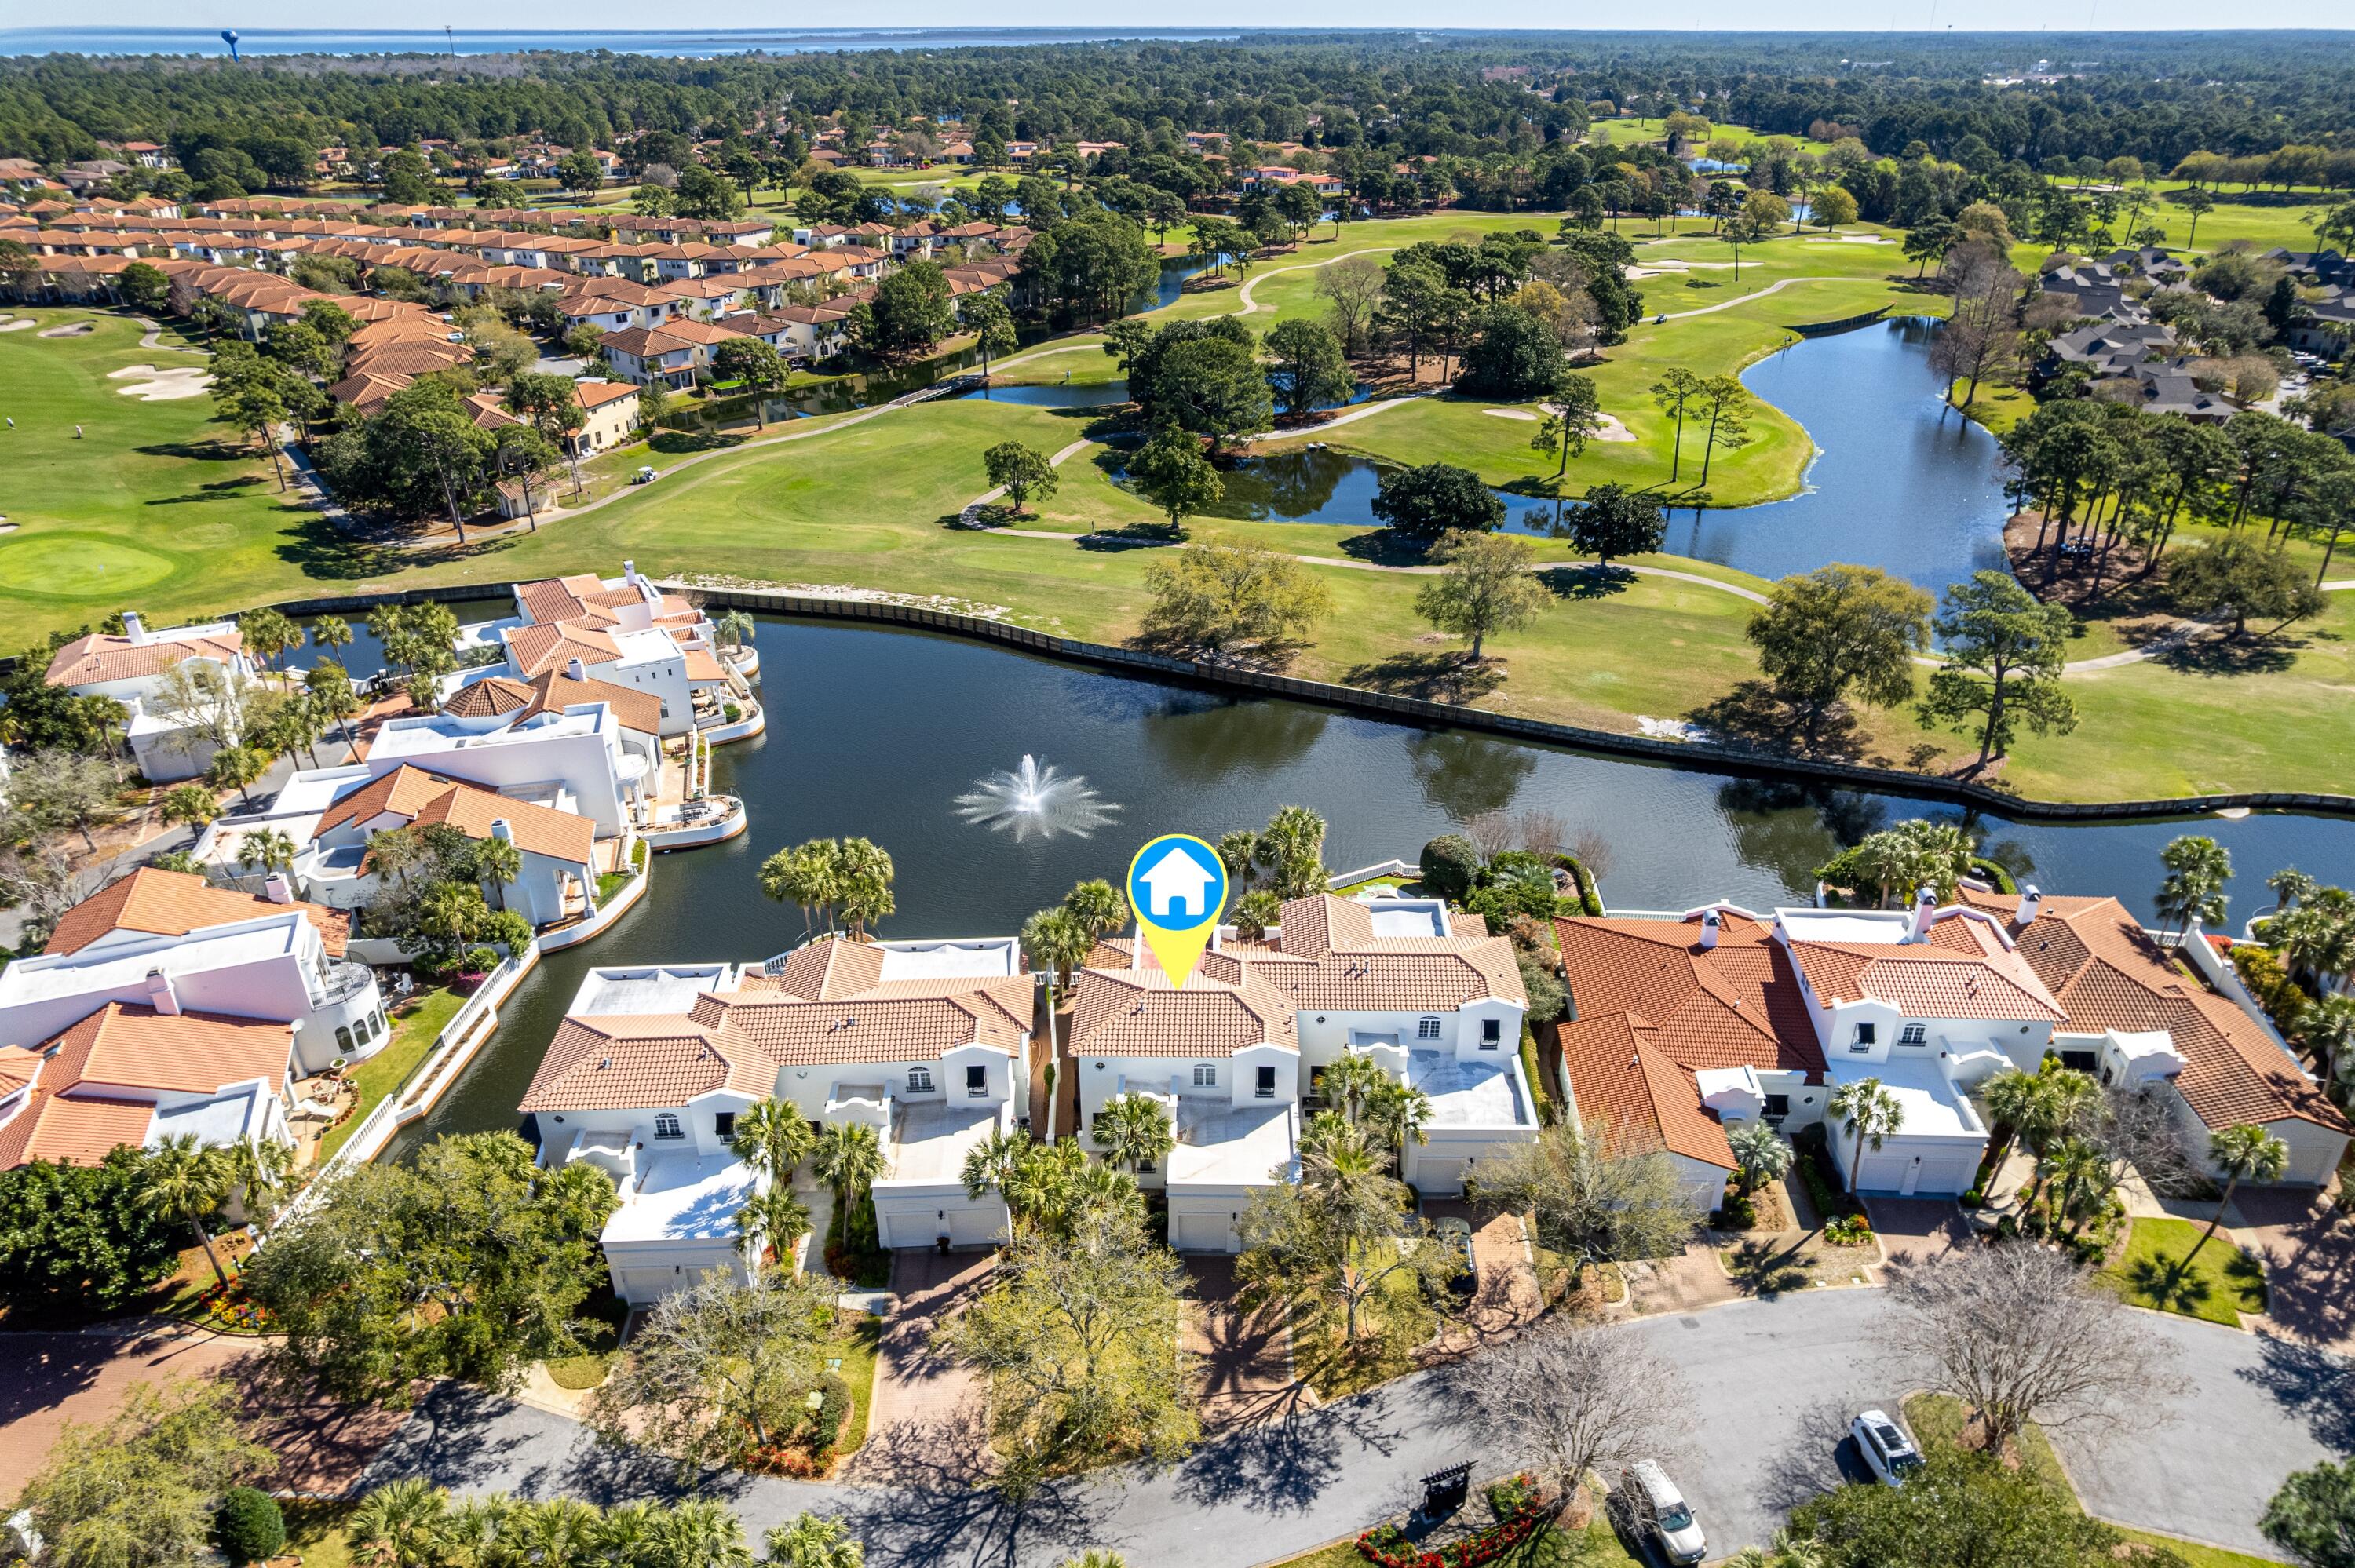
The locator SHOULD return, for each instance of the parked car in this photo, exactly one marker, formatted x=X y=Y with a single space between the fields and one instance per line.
x=1645 y=1504
x=1455 y=1235
x=1889 y=1454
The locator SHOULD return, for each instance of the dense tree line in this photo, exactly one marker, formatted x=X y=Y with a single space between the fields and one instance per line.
x=2158 y=98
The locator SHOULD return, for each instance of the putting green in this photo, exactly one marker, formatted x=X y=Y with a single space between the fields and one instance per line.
x=79 y=566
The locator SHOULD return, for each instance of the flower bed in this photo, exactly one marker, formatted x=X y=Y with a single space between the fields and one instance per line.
x=226 y=1308
x=1520 y=1511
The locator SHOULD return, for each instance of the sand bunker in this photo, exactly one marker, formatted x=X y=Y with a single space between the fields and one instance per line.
x=155 y=386
x=19 y=324
x=71 y=329
x=1608 y=429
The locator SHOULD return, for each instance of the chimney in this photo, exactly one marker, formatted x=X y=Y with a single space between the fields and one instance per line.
x=133 y=629
x=1926 y=913
x=160 y=994
x=2030 y=900
x=277 y=888
x=502 y=828
x=575 y=669
x=1709 y=924
x=630 y=573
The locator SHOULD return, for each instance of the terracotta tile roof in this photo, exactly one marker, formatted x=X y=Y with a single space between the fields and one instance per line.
x=69 y=1116
x=427 y=797
x=2108 y=974
x=828 y=1006
x=553 y=600
x=553 y=691
x=1136 y=1012
x=1963 y=971
x=534 y=648
x=1634 y=1097
x=172 y=904
x=17 y=1066
x=489 y=698
x=703 y=666
x=643 y=1061
x=100 y=656
x=1737 y=1005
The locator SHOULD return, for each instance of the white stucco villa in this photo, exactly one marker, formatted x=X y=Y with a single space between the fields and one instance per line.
x=130 y=668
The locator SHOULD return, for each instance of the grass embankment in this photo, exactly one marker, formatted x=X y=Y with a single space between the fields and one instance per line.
x=2158 y=1270
x=1937 y=1421
x=316 y=1530
x=416 y=1024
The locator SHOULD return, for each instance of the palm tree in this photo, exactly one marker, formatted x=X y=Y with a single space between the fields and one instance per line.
x=472 y=1528
x=1254 y=912
x=2193 y=889
x=773 y=1139
x=989 y=1165
x=1135 y=1131
x=772 y=1219
x=557 y=1533
x=1056 y=940
x=2244 y=1153
x=2318 y=937
x=1239 y=852
x=2291 y=887
x=814 y=1541
x=497 y=862
x=733 y=628
x=401 y=1524
x=2328 y=1026
x=332 y=631
x=1347 y=1084
x=629 y=1536
x=1040 y=1185
x=268 y=848
x=1292 y=848
x=1098 y=906
x=866 y=871
x=185 y=1181
x=2081 y=1179
x=2011 y=1098
x=847 y=1159
x=236 y=768
x=1096 y=1557
x=1396 y=1113
x=1761 y=1155
x=581 y=1197
x=257 y=1169
x=2058 y=1100
x=1345 y=1179
x=1871 y=1113
x=330 y=691
x=806 y=876
x=700 y=1532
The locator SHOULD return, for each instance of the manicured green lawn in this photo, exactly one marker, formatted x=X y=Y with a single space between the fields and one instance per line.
x=315 y=1531
x=857 y=1348
x=153 y=508
x=2218 y=1285
x=414 y=1030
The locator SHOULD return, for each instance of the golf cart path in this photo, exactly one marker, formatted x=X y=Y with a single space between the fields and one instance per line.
x=1743 y=300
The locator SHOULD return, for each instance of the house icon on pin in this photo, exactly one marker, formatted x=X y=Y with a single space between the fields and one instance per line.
x=1178 y=888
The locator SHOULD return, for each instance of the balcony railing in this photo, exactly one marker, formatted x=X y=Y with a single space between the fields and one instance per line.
x=342 y=981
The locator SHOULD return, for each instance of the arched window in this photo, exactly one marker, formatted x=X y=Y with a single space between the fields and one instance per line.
x=667 y=1126
x=342 y=1040
x=920 y=1080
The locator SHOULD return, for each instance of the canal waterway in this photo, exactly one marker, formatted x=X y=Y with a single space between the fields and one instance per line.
x=876 y=732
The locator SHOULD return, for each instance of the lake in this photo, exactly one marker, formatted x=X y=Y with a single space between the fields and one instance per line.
x=875 y=732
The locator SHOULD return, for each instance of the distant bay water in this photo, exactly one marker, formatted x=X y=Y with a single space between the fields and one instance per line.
x=691 y=44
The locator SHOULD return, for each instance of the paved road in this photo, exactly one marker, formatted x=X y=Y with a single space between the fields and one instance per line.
x=1774 y=1384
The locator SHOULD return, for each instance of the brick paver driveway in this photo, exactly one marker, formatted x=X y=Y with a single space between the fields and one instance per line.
x=1918 y=1230
x=2310 y=1253
x=1245 y=1358
x=921 y=1395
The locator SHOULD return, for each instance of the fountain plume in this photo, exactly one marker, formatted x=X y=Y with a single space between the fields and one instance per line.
x=1035 y=798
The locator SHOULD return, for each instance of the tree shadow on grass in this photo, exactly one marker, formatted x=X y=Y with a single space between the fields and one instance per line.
x=202 y=451
x=1134 y=537
x=674 y=443
x=2254 y=654
x=320 y=549
x=1387 y=547
x=1450 y=675
x=2170 y=1283
x=1587 y=582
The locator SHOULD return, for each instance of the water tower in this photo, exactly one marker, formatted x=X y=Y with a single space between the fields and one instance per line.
x=228 y=37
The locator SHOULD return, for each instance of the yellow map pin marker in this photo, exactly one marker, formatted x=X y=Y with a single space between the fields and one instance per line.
x=1177 y=886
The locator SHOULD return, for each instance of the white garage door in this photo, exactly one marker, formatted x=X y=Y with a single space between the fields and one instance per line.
x=1944 y=1175
x=1198 y=1233
x=973 y=1227
x=1883 y=1170
x=643 y=1286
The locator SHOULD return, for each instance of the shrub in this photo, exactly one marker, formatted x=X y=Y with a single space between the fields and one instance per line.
x=2281 y=997
x=1974 y=1199
x=1737 y=1212
x=248 y=1528
x=730 y=712
x=1849 y=1230
x=1821 y=1175
x=833 y=1410
x=1449 y=863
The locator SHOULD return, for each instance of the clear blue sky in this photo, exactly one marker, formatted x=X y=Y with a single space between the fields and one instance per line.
x=1874 y=16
